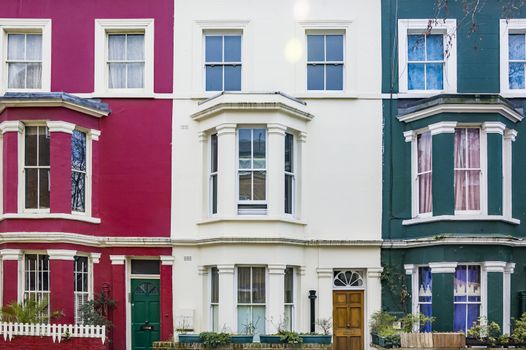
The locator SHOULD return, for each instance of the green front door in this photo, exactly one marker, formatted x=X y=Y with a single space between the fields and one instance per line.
x=146 y=326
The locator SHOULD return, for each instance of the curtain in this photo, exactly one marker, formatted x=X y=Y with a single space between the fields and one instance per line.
x=126 y=61
x=425 y=295
x=425 y=177
x=22 y=48
x=467 y=169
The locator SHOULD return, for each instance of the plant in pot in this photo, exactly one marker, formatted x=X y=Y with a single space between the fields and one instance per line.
x=214 y=340
x=319 y=338
x=273 y=338
x=483 y=333
x=383 y=330
x=518 y=336
x=183 y=327
x=247 y=334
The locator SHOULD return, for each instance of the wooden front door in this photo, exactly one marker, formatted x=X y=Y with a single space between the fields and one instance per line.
x=348 y=319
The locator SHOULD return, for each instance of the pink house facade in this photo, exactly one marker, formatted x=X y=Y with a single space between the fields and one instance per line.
x=85 y=149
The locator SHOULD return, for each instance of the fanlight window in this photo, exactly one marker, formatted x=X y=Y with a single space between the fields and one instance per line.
x=347 y=279
x=146 y=289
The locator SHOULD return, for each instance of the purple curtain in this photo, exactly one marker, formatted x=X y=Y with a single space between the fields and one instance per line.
x=466 y=297
x=425 y=296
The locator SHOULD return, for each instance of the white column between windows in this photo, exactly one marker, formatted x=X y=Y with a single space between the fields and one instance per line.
x=411 y=270
x=227 y=298
x=276 y=169
x=275 y=297
x=506 y=298
x=226 y=178
x=325 y=276
x=509 y=137
x=373 y=299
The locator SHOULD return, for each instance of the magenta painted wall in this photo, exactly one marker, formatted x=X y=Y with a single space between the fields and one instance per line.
x=73 y=37
x=131 y=170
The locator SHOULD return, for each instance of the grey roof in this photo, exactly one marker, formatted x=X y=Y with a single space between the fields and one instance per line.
x=91 y=103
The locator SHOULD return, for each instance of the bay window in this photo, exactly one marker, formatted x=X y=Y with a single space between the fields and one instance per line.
x=81 y=285
x=467 y=297
x=252 y=165
x=213 y=173
x=251 y=299
x=214 y=299
x=467 y=169
x=424 y=173
x=36 y=279
x=37 y=167
x=24 y=61
x=78 y=171
x=425 y=295
x=290 y=181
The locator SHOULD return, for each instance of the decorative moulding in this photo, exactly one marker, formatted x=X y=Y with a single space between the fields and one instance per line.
x=61 y=254
x=95 y=257
x=59 y=126
x=494 y=266
x=117 y=259
x=167 y=260
x=11 y=126
x=11 y=254
x=443 y=267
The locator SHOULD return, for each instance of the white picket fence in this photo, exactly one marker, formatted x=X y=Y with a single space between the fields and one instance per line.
x=56 y=331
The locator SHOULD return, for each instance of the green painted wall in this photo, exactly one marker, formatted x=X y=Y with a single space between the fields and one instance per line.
x=495 y=180
x=443 y=189
x=443 y=302
x=495 y=281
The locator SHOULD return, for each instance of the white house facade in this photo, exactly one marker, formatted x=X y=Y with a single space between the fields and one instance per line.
x=276 y=166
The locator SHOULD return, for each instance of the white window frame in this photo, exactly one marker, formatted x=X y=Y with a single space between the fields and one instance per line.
x=103 y=27
x=88 y=293
x=213 y=304
x=483 y=294
x=91 y=136
x=222 y=33
x=326 y=32
x=38 y=293
x=211 y=175
x=416 y=174
x=293 y=174
x=446 y=27
x=26 y=26
x=237 y=304
x=507 y=27
x=238 y=169
x=418 y=302
x=293 y=303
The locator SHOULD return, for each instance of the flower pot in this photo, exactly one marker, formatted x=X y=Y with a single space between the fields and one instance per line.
x=241 y=339
x=475 y=342
x=316 y=339
x=189 y=338
x=270 y=339
x=387 y=342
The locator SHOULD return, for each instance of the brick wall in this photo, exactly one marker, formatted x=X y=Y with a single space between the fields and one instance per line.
x=252 y=346
x=39 y=343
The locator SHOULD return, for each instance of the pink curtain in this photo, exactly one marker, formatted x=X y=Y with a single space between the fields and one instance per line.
x=425 y=173
x=467 y=169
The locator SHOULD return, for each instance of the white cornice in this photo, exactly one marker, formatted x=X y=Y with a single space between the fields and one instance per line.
x=226 y=269
x=494 y=127
x=374 y=272
x=443 y=267
x=95 y=134
x=11 y=254
x=324 y=272
x=95 y=257
x=510 y=268
x=494 y=266
x=439 y=240
x=61 y=254
x=410 y=269
x=60 y=126
x=510 y=134
x=11 y=126
x=503 y=110
x=442 y=128
x=167 y=260
x=36 y=216
x=117 y=259
x=423 y=220
x=12 y=103
x=276 y=269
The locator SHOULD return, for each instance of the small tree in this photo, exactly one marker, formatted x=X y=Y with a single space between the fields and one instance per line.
x=29 y=311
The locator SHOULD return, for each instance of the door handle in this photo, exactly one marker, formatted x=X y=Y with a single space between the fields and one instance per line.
x=348 y=325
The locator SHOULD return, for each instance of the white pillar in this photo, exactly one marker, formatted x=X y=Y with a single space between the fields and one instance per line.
x=275 y=297
x=507 y=148
x=227 y=298
x=373 y=297
x=226 y=180
x=506 y=298
x=204 y=322
x=276 y=168
x=300 y=296
x=325 y=277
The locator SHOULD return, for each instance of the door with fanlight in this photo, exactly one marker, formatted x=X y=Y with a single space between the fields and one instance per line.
x=145 y=305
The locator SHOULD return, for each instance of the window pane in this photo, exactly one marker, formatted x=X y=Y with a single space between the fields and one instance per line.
x=315 y=48
x=15 y=47
x=473 y=314
x=34 y=75
x=258 y=285
x=233 y=78
x=334 y=47
x=289 y=184
x=244 y=319
x=289 y=280
x=245 y=148
x=258 y=319
x=424 y=151
x=315 y=76
x=516 y=79
x=435 y=76
x=214 y=294
x=43 y=146
x=232 y=48
x=135 y=75
x=245 y=185
x=34 y=47
x=425 y=282
x=473 y=145
x=243 y=285
x=334 y=77
x=17 y=76
x=117 y=75
x=459 y=318
x=31 y=188
x=259 y=185
x=214 y=48
x=78 y=190
x=517 y=49
x=78 y=150
x=44 y=189
x=435 y=47
x=289 y=152
x=215 y=318
x=213 y=151
x=135 y=49
x=259 y=148
x=288 y=317
x=415 y=76
x=415 y=47
x=425 y=191
x=214 y=78
x=145 y=267
x=214 y=194
x=116 y=47
x=31 y=140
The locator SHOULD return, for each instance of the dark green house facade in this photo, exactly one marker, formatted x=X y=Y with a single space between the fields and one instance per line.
x=454 y=165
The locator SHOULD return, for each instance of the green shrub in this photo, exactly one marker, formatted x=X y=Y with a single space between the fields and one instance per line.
x=483 y=330
x=519 y=330
x=29 y=311
x=288 y=337
x=214 y=339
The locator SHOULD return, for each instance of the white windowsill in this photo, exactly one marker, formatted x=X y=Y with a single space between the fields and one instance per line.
x=251 y=218
x=74 y=217
x=422 y=220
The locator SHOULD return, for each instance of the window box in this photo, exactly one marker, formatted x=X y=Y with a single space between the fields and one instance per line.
x=189 y=338
x=316 y=338
x=270 y=339
x=241 y=339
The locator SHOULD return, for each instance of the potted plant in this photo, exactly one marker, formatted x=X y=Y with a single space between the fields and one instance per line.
x=383 y=331
x=247 y=336
x=214 y=339
x=483 y=333
x=184 y=337
x=319 y=338
x=273 y=338
x=518 y=336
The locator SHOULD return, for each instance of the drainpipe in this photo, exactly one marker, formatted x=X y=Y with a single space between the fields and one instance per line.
x=312 y=297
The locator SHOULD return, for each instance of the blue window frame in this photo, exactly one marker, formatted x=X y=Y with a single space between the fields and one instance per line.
x=517 y=61
x=325 y=62
x=425 y=62
x=425 y=295
x=223 y=62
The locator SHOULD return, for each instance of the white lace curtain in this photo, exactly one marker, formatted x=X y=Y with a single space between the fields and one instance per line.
x=467 y=169
x=425 y=173
x=126 y=61
x=24 y=60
